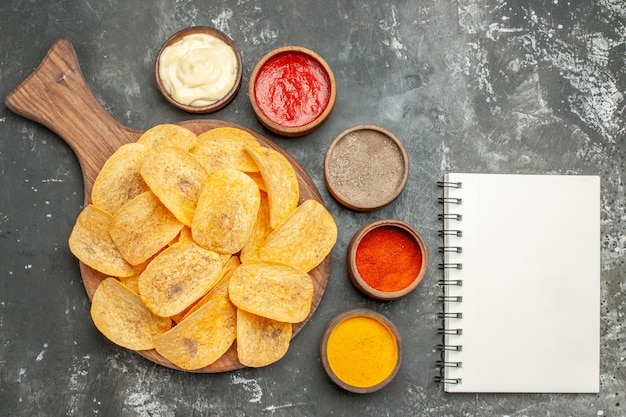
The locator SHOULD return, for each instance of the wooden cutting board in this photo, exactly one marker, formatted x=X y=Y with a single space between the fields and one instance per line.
x=57 y=96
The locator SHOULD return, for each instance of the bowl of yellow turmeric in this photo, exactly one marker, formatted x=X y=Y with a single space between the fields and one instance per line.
x=361 y=350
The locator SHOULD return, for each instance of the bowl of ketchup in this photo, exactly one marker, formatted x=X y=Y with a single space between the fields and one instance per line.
x=292 y=91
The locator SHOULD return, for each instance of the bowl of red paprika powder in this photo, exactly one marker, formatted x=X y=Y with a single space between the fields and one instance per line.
x=386 y=259
x=292 y=91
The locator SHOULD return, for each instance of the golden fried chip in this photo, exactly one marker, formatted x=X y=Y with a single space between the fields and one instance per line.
x=230 y=134
x=177 y=318
x=201 y=338
x=303 y=240
x=261 y=341
x=184 y=235
x=168 y=135
x=258 y=178
x=217 y=149
x=260 y=231
x=119 y=180
x=132 y=283
x=226 y=211
x=120 y=315
x=142 y=227
x=177 y=277
x=219 y=290
x=280 y=181
x=275 y=291
x=91 y=243
x=176 y=177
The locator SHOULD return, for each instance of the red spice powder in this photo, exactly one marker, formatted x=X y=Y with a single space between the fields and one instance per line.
x=292 y=89
x=388 y=258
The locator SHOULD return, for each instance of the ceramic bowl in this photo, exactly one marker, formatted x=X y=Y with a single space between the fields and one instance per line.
x=224 y=100
x=340 y=367
x=292 y=91
x=366 y=167
x=408 y=232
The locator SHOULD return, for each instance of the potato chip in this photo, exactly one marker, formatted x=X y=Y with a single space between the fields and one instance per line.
x=132 y=283
x=119 y=314
x=202 y=338
x=119 y=180
x=258 y=179
x=176 y=177
x=230 y=134
x=226 y=211
x=261 y=341
x=219 y=290
x=221 y=151
x=168 y=135
x=280 y=181
x=91 y=243
x=184 y=235
x=142 y=227
x=260 y=231
x=303 y=240
x=275 y=291
x=177 y=277
x=202 y=234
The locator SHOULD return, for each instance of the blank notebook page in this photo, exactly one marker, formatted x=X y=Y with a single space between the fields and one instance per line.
x=530 y=283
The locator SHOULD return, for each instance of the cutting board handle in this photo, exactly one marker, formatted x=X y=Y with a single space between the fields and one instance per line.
x=57 y=96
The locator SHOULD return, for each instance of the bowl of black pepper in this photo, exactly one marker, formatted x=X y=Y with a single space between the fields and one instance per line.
x=366 y=167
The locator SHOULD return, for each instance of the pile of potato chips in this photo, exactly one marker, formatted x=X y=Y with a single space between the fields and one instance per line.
x=204 y=243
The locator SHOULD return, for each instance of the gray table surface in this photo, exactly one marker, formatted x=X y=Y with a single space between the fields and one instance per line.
x=502 y=86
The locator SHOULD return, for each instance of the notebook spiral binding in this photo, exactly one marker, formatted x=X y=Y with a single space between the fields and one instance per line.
x=448 y=301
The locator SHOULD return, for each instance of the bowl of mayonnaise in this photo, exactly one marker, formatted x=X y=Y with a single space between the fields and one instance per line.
x=199 y=69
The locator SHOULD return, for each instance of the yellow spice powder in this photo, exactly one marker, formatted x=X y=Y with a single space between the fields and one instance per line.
x=362 y=351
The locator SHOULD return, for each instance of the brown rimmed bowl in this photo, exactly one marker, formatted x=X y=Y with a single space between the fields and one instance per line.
x=366 y=167
x=330 y=367
x=356 y=277
x=228 y=97
x=275 y=60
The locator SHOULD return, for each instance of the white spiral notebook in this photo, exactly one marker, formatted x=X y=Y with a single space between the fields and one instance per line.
x=521 y=283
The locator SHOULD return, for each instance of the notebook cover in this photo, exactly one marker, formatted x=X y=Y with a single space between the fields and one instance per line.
x=530 y=283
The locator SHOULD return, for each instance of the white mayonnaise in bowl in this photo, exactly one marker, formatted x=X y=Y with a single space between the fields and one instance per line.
x=199 y=69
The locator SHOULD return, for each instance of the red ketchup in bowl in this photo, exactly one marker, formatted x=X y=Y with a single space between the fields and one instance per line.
x=292 y=89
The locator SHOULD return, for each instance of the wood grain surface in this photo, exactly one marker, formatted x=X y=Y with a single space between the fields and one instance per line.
x=57 y=96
